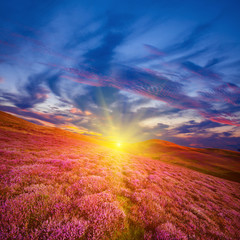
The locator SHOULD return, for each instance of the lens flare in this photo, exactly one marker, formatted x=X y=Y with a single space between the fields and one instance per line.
x=117 y=125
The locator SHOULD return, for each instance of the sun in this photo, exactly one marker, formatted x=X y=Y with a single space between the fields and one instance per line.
x=119 y=144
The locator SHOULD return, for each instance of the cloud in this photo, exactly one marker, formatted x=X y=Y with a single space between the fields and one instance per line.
x=106 y=52
x=203 y=72
x=139 y=81
x=183 y=46
x=45 y=117
x=76 y=111
x=192 y=55
x=53 y=83
x=80 y=112
x=152 y=84
x=99 y=26
x=214 y=61
x=153 y=50
x=226 y=118
x=199 y=134
x=98 y=59
x=211 y=141
x=227 y=92
x=32 y=93
x=26 y=101
x=191 y=39
x=193 y=126
x=35 y=90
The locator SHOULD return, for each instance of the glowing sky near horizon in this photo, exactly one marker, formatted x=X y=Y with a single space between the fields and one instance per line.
x=143 y=69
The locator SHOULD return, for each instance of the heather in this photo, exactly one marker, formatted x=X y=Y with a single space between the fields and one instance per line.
x=216 y=162
x=56 y=186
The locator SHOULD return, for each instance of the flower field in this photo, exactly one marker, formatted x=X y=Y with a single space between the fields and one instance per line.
x=55 y=185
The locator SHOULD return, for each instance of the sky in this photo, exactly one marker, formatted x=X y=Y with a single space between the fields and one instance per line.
x=133 y=70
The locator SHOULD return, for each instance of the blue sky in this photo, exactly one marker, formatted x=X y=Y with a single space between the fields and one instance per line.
x=147 y=69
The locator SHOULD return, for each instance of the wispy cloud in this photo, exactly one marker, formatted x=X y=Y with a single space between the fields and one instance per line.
x=85 y=62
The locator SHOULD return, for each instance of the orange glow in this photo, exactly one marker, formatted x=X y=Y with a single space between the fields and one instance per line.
x=88 y=113
x=75 y=110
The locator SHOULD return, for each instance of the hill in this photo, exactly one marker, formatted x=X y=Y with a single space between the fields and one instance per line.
x=11 y=123
x=59 y=185
x=217 y=162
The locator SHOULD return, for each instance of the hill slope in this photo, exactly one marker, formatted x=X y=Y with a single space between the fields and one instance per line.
x=12 y=123
x=216 y=162
x=57 y=186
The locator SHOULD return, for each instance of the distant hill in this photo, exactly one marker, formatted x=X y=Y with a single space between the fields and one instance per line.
x=216 y=162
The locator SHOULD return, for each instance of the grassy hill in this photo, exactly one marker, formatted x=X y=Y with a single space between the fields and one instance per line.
x=58 y=185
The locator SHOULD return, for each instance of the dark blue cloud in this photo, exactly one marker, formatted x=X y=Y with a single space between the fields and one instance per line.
x=114 y=31
x=53 y=83
x=201 y=71
x=99 y=58
x=213 y=62
x=193 y=126
x=191 y=39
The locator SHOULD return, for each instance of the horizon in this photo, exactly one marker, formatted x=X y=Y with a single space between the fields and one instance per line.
x=114 y=144
x=162 y=70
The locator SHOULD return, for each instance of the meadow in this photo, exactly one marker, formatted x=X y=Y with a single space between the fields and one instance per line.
x=59 y=185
